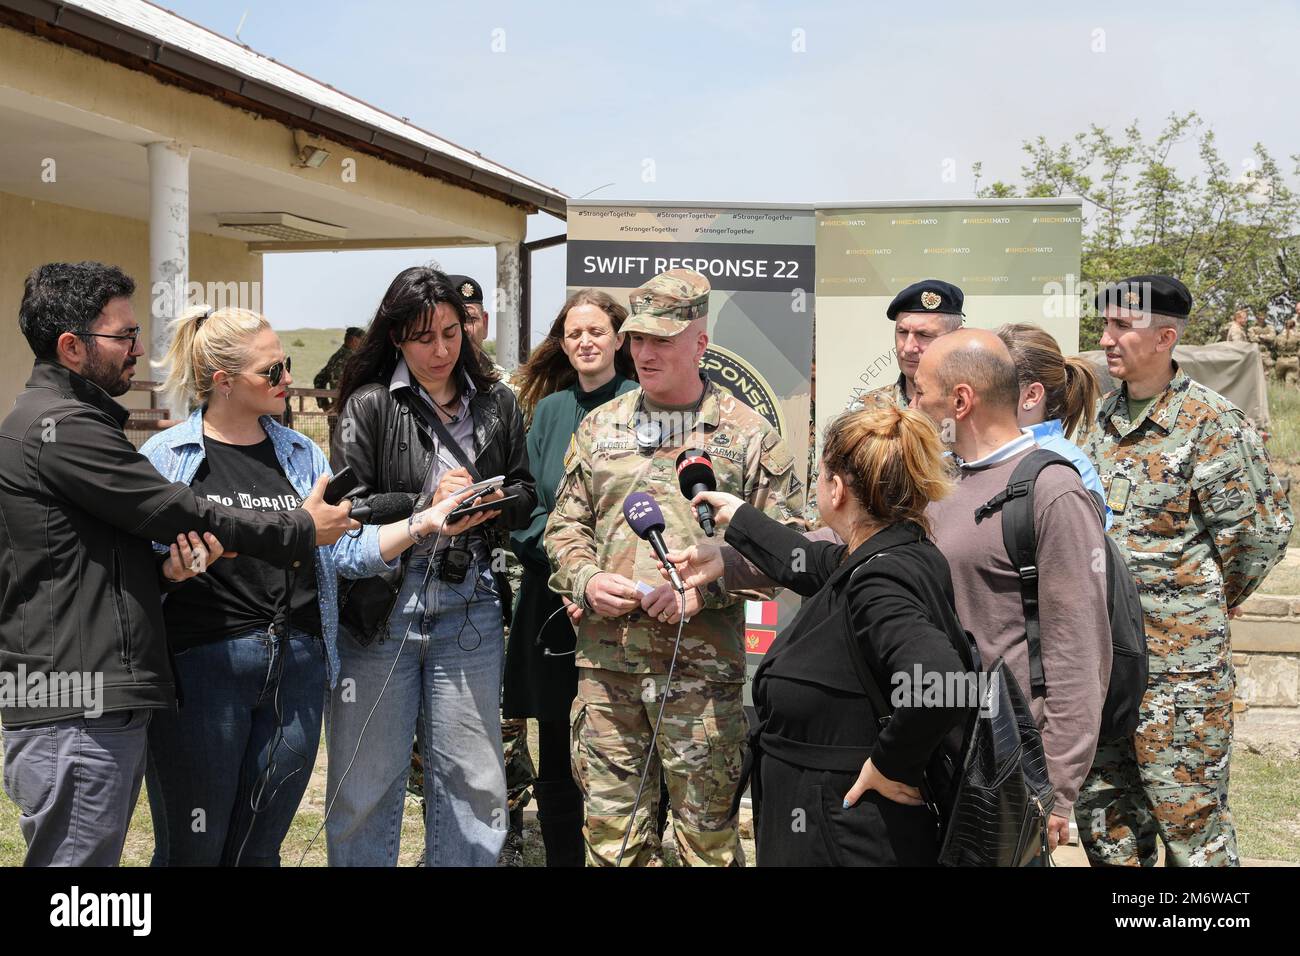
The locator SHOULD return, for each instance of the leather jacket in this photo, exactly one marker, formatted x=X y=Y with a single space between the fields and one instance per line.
x=390 y=448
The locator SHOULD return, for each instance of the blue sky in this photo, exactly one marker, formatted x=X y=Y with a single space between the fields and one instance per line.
x=717 y=96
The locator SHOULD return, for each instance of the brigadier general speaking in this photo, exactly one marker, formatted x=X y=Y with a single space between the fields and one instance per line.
x=626 y=638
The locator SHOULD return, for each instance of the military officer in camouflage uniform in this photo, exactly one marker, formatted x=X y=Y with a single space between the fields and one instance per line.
x=1288 y=355
x=1262 y=334
x=471 y=293
x=629 y=624
x=1201 y=520
x=332 y=374
x=921 y=313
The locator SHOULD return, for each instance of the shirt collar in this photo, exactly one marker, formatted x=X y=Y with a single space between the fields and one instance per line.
x=401 y=378
x=1047 y=429
x=1023 y=442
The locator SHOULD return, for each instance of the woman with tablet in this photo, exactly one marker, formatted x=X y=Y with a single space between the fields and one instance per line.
x=421 y=645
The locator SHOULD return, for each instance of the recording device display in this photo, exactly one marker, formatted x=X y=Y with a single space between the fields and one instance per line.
x=647 y=522
x=694 y=475
x=473 y=506
x=338 y=486
x=385 y=508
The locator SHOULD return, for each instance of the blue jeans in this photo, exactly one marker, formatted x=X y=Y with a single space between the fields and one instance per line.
x=206 y=760
x=438 y=676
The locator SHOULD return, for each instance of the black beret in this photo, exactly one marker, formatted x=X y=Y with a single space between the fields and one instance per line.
x=928 y=295
x=1159 y=295
x=468 y=290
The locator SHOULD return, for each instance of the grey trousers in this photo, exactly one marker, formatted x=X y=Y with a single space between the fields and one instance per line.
x=76 y=782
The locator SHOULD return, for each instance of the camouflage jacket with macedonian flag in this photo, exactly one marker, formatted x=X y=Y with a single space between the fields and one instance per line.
x=587 y=533
x=1198 y=512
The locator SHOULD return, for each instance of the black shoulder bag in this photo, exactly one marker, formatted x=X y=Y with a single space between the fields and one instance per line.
x=992 y=797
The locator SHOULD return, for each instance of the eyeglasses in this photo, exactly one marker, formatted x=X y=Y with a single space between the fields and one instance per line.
x=276 y=372
x=132 y=334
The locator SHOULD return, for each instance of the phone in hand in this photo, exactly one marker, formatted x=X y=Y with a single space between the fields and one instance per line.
x=338 y=486
x=473 y=506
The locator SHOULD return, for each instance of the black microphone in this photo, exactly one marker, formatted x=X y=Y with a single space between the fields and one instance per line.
x=695 y=474
x=647 y=523
x=383 y=509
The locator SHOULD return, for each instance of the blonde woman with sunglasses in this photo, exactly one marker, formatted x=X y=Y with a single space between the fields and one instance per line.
x=253 y=647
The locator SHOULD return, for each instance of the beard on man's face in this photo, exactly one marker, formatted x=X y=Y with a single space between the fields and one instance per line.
x=109 y=374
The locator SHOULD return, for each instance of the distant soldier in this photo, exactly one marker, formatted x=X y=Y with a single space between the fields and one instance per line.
x=1288 y=355
x=332 y=373
x=1266 y=336
x=471 y=293
x=921 y=313
x=626 y=638
x=1237 y=327
x=1201 y=520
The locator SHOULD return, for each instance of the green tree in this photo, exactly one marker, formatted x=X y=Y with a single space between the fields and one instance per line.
x=1231 y=239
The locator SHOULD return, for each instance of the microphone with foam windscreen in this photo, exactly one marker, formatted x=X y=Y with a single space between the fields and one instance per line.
x=647 y=523
x=383 y=509
x=694 y=475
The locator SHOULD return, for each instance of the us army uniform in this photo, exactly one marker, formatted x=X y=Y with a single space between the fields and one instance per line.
x=1201 y=520
x=1237 y=334
x=623 y=662
x=1288 y=355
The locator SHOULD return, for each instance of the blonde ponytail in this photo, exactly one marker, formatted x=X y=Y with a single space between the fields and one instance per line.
x=891 y=459
x=205 y=341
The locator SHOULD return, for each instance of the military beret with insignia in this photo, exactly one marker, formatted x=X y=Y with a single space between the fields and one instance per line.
x=928 y=295
x=470 y=292
x=1158 y=295
x=668 y=303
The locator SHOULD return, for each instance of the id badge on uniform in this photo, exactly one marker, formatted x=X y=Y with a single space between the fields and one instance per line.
x=1117 y=496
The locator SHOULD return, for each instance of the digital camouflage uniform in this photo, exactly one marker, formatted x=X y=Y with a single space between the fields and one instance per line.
x=332 y=373
x=1287 y=369
x=623 y=662
x=1201 y=520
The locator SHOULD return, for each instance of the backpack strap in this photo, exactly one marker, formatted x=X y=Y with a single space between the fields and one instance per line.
x=1016 y=502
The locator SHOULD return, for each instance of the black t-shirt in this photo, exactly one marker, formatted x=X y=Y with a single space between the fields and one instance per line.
x=242 y=594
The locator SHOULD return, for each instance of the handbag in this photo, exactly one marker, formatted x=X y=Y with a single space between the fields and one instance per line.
x=991 y=796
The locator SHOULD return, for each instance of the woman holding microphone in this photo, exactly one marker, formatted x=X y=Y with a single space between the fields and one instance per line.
x=879 y=608
x=253 y=647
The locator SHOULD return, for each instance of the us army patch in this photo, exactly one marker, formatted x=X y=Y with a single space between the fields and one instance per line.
x=731 y=454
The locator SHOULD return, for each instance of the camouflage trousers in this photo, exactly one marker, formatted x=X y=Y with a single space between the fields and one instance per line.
x=1170 y=780
x=700 y=747
x=1288 y=370
x=519 y=762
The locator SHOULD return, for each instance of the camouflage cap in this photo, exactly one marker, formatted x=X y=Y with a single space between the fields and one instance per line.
x=668 y=303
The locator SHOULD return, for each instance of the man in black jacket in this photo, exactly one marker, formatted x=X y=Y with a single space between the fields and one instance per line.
x=83 y=654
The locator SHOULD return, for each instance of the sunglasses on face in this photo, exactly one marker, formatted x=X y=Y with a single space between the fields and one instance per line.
x=276 y=372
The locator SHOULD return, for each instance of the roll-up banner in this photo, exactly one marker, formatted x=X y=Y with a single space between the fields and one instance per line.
x=760 y=264
x=1015 y=260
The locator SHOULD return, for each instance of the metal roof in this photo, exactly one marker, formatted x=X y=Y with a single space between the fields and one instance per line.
x=145 y=36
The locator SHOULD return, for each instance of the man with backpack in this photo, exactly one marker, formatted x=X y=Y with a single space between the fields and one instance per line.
x=966 y=383
x=1201 y=519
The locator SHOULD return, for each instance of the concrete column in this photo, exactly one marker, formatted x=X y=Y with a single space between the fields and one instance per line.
x=169 y=248
x=508 y=297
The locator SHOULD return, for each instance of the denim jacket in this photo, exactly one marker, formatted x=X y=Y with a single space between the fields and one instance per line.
x=177 y=454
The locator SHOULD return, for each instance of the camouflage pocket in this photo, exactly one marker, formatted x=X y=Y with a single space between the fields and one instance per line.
x=1157 y=515
x=1202 y=743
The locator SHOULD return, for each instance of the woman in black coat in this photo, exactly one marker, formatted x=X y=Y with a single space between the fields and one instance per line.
x=832 y=786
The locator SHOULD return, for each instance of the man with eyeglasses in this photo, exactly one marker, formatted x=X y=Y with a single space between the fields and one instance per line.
x=83 y=654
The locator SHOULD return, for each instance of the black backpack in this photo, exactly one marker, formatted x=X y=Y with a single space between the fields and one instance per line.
x=1128 y=670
